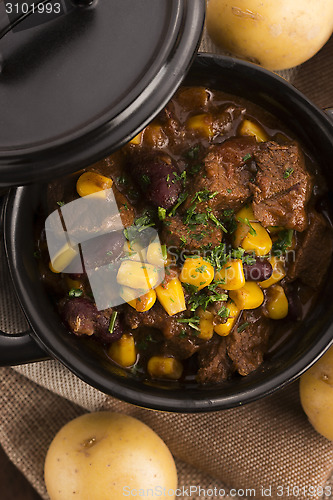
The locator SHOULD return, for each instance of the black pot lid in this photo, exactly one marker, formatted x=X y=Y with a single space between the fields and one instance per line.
x=76 y=83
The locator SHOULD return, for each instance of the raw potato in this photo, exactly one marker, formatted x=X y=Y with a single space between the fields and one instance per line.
x=316 y=391
x=104 y=456
x=276 y=34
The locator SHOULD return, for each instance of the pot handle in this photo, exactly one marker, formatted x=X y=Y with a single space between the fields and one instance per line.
x=18 y=348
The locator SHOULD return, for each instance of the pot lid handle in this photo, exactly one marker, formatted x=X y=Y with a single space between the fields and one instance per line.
x=12 y=18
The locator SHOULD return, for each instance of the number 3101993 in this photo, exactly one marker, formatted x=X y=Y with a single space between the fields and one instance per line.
x=41 y=8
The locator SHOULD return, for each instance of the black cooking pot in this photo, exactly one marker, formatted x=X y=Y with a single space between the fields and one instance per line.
x=49 y=337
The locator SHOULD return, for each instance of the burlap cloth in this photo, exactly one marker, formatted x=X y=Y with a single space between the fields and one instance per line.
x=267 y=444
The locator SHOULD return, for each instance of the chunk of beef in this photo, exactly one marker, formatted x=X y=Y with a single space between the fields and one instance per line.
x=191 y=236
x=225 y=173
x=214 y=364
x=313 y=252
x=246 y=348
x=182 y=348
x=158 y=318
x=282 y=187
x=126 y=210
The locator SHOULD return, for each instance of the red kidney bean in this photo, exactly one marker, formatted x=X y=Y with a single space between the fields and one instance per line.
x=260 y=270
x=79 y=315
x=103 y=249
x=157 y=177
x=82 y=317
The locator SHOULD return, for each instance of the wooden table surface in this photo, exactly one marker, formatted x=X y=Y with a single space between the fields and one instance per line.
x=14 y=485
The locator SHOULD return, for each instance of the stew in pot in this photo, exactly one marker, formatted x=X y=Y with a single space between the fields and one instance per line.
x=218 y=247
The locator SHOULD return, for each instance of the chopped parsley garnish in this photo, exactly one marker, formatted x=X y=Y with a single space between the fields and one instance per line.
x=164 y=252
x=288 y=173
x=201 y=269
x=113 y=321
x=122 y=180
x=208 y=295
x=242 y=327
x=215 y=220
x=181 y=177
x=144 y=220
x=145 y=179
x=193 y=152
x=192 y=322
x=203 y=195
x=182 y=334
x=217 y=256
x=224 y=312
x=60 y=203
x=181 y=198
x=239 y=253
x=247 y=157
x=248 y=223
x=283 y=242
x=192 y=217
x=161 y=213
x=75 y=292
x=229 y=190
x=141 y=223
x=195 y=169
x=190 y=288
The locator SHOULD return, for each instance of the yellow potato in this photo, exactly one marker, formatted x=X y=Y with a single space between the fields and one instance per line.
x=316 y=391
x=277 y=35
x=104 y=456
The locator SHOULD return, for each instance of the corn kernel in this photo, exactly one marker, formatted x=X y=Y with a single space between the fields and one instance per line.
x=242 y=229
x=63 y=258
x=155 y=254
x=278 y=274
x=146 y=301
x=231 y=275
x=193 y=97
x=140 y=303
x=223 y=329
x=171 y=296
x=251 y=235
x=137 y=275
x=73 y=284
x=134 y=251
x=163 y=367
x=248 y=297
x=90 y=182
x=123 y=351
x=202 y=123
x=248 y=127
x=246 y=212
x=277 y=303
x=197 y=271
x=137 y=139
x=155 y=136
x=206 y=324
x=260 y=243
